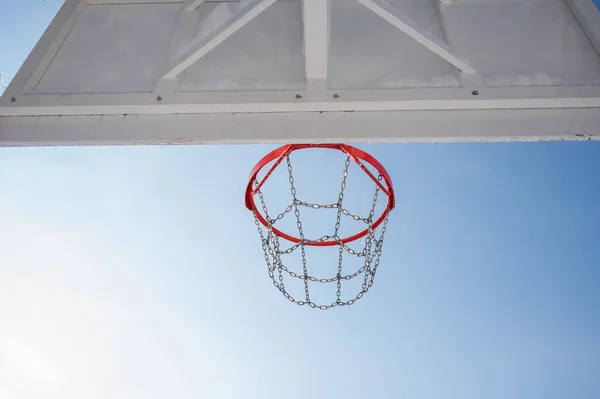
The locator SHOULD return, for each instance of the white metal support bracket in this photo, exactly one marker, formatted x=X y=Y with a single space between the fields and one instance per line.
x=410 y=28
x=199 y=48
x=316 y=42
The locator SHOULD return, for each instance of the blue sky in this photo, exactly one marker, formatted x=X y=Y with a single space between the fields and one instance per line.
x=136 y=272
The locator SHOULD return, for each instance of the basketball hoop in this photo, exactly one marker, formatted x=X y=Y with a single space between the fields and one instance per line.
x=271 y=236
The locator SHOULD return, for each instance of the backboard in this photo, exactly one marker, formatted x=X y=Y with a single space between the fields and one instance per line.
x=291 y=71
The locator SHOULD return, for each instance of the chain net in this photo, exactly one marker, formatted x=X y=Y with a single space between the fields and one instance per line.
x=276 y=248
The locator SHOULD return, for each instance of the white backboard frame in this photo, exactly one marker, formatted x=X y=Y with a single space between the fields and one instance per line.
x=472 y=112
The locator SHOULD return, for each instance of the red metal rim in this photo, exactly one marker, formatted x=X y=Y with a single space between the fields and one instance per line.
x=354 y=153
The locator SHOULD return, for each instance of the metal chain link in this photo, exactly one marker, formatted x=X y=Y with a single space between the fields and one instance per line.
x=338 y=293
x=273 y=253
x=289 y=208
x=300 y=231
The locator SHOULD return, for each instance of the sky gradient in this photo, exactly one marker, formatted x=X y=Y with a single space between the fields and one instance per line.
x=136 y=272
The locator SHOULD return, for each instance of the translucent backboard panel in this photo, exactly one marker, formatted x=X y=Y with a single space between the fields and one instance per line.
x=266 y=54
x=535 y=43
x=366 y=53
x=117 y=48
x=144 y=71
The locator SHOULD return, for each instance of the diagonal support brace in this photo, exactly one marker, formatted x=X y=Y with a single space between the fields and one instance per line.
x=409 y=27
x=199 y=48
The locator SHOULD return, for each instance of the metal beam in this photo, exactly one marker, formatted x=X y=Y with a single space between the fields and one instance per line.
x=403 y=126
x=409 y=27
x=316 y=42
x=199 y=48
x=500 y=98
